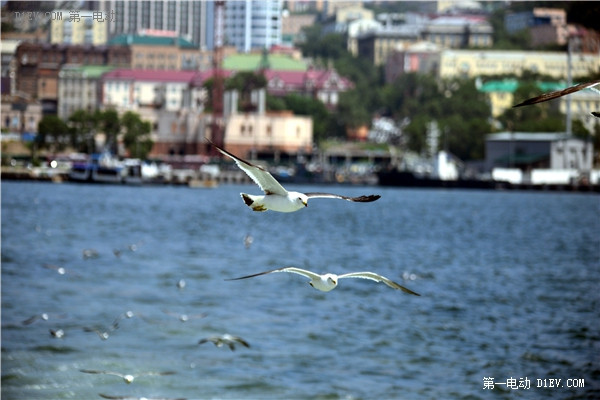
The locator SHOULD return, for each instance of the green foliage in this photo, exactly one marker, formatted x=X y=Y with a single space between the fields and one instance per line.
x=110 y=124
x=245 y=83
x=275 y=103
x=459 y=108
x=351 y=110
x=303 y=105
x=82 y=125
x=322 y=47
x=53 y=133
x=136 y=137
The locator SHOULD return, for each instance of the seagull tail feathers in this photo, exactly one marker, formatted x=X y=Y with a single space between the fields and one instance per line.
x=247 y=199
x=252 y=203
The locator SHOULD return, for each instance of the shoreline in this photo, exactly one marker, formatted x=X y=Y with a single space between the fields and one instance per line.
x=28 y=175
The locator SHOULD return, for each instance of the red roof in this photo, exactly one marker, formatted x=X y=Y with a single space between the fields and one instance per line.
x=312 y=79
x=150 y=75
x=278 y=81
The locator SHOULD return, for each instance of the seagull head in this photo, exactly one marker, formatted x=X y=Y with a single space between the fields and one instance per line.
x=331 y=279
x=300 y=200
x=303 y=199
x=128 y=378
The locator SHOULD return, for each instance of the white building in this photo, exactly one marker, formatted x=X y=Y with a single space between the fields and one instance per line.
x=78 y=27
x=79 y=88
x=130 y=89
x=270 y=132
x=252 y=24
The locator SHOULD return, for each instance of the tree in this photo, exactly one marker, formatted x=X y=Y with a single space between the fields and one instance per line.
x=83 y=125
x=302 y=105
x=109 y=123
x=53 y=133
x=351 y=111
x=459 y=108
x=136 y=137
x=245 y=83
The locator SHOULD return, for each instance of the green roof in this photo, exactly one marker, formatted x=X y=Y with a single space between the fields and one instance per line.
x=252 y=62
x=510 y=85
x=95 y=71
x=551 y=86
x=89 y=71
x=128 y=39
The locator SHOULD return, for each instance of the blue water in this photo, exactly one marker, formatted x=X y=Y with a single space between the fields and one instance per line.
x=509 y=284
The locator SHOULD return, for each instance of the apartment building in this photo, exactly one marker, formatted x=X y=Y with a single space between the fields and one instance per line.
x=79 y=88
x=192 y=20
x=38 y=66
x=251 y=24
x=164 y=50
x=79 y=27
x=473 y=63
x=133 y=89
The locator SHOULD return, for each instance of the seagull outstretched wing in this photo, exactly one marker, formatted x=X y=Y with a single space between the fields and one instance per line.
x=360 y=199
x=558 y=93
x=294 y=270
x=377 y=278
x=259 y=175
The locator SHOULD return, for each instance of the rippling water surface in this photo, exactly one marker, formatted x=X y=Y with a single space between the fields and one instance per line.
x=509 y=285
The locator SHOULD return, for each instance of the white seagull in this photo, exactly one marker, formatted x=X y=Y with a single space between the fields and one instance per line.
x=563 y=92
x=276 y=198
x=328 y=282
x=128 y=378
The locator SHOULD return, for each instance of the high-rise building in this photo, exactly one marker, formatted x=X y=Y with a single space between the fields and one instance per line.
x=192 y=20
x=253 y=24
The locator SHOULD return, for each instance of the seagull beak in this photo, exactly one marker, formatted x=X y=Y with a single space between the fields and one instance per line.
x=305 y=203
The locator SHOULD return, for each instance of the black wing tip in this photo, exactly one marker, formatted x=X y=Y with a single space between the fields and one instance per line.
x=257 y=274
x=245 y=277
x=366 y=199
x=528 y=102
x=404 y=289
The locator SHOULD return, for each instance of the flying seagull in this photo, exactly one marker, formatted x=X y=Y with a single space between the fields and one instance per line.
x=57 y=333
x=128 y=378
x=102 y=334
x=227 y=339
x=276 y=198
x=563 y=92
x=328 y=282
x=31 y=320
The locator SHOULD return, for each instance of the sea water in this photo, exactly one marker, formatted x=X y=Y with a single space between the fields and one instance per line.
x=509 y=284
